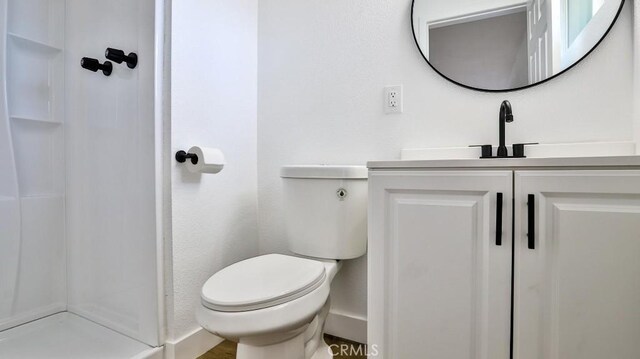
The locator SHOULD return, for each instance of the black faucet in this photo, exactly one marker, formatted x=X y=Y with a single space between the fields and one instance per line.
x=506 y=116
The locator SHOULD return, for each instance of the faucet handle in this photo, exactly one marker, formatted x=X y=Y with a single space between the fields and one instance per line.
x=518 y=149
x=487 y=150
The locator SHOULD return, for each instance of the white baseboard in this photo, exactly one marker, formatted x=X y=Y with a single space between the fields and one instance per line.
x=191 y=345
x=347 y=326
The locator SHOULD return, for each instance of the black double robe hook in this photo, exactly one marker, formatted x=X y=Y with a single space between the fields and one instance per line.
x=118 y=56
x=94 y=65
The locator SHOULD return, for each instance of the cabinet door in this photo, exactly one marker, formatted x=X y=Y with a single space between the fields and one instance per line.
x=439 y=286
x=577 y=292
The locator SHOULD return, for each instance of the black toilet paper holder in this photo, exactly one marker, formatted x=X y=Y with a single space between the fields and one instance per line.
x=182 y=156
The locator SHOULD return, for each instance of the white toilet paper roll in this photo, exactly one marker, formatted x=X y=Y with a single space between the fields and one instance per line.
x=210 y=160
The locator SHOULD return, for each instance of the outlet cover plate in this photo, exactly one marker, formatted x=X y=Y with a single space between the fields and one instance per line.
x=393 y=99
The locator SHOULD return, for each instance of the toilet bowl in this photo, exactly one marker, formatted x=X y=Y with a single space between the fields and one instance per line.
x=275 y=305
x=284 y=318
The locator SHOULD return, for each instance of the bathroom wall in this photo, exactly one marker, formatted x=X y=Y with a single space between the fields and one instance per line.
x=214 y=104
x=322 y=69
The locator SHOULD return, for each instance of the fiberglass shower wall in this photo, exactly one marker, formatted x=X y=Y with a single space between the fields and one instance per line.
x=32 y=172
x=78 y=165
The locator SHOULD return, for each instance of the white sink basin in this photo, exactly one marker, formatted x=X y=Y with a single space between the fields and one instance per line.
x=594 y=149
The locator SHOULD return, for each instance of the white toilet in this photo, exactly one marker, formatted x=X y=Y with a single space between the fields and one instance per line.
x=275 y=305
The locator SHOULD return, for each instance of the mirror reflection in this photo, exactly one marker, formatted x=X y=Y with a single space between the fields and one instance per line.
x=501 y=45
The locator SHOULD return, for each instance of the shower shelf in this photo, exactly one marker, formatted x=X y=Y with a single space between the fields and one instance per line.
x=36 y=119
x=36 y=45
x=43 y=196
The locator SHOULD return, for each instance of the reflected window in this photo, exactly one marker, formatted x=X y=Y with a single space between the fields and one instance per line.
x=579 y=13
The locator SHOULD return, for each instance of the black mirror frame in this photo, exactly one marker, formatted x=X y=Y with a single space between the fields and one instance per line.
x=415 y=39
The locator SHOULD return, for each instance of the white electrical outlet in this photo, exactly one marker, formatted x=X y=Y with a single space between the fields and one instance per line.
x=393 y=99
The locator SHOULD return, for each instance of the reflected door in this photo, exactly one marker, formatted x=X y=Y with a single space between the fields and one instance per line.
x=540 y=47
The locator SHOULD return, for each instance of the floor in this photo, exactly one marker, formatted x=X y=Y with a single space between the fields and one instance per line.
x=227 y=349
x=68 y=336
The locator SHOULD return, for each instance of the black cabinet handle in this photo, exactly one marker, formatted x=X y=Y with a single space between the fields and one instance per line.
x=499 y=219
x=531 y=208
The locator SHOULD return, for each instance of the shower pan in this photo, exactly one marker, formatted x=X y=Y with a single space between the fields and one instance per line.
x=80 y=169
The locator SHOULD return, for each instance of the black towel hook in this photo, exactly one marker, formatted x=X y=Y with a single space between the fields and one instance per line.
x=182 y=156
x=94 y=65
x=118 y=56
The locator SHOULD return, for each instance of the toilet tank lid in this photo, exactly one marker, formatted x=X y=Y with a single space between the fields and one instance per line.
x=325 y=171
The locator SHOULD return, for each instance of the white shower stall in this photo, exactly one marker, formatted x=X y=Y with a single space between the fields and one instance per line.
x=80 y=180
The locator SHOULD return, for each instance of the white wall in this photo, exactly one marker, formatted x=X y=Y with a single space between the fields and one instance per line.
x=214 y=89
x=322 y=69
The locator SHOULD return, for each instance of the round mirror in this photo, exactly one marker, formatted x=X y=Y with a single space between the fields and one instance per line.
x=505 y=45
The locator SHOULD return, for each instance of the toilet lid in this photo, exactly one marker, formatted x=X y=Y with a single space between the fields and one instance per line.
x=262 y=282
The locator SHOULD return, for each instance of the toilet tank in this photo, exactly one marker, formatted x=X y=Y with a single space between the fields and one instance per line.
x=325 y=209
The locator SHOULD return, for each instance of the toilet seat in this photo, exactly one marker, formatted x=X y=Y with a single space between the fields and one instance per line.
x=280 y=318
x=262 y=282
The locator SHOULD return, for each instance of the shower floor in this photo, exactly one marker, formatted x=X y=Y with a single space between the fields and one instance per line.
x=66 y=335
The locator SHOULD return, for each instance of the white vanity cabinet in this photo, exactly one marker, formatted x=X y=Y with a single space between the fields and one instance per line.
x=577 y=284
x=439 y=285
x=440 y=281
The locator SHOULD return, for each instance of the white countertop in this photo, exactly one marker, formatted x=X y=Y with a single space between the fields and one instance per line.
x=574 y=162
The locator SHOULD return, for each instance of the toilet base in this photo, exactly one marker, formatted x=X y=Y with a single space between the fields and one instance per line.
x=303 y=343
x=323 y=352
